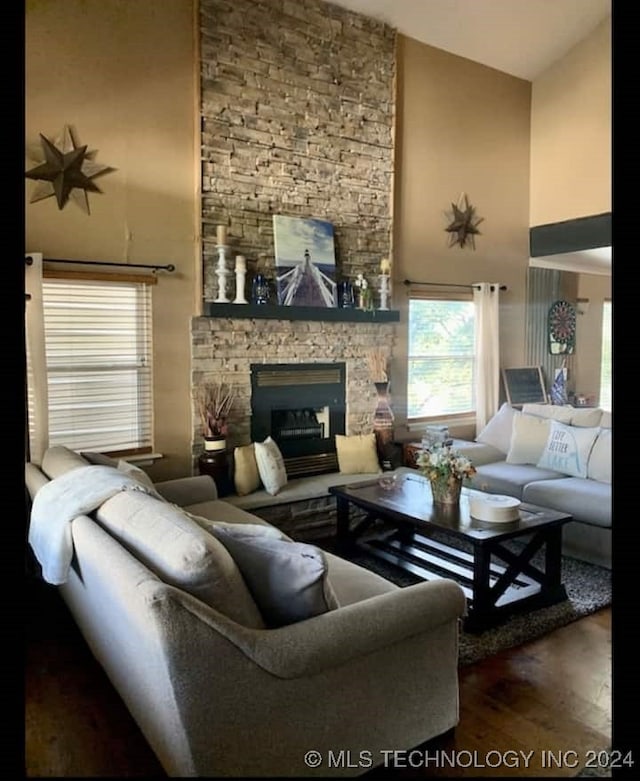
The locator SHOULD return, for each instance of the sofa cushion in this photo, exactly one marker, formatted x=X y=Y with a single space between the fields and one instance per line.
x=352 y=583
x=586 y=500
x=509 y=479
x=100 y=459
x=288 y=580
x=246 y=477
x=271 y=466
x=568 y=449
x=357 y=454
x=528 y=438
x=60 y=459
x=138 y=474
x=173 y=546
x=497 y=432
x=599 y=466
x=560 y=412
x=586 y=418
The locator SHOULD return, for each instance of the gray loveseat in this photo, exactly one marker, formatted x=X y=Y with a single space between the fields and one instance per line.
x=507 y=454
x=217 y=690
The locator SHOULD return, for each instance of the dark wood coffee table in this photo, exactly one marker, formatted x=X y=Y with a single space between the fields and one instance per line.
x=425 y=540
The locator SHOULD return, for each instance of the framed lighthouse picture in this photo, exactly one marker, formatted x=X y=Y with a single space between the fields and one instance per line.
x=305 y=261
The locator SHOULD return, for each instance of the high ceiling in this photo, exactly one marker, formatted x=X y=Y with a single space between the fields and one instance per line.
x=519 y=37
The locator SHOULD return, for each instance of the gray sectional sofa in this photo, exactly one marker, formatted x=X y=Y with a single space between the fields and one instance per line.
x=222 y=675
x=516 y=450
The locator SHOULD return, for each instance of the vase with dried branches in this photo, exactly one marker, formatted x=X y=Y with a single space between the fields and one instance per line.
x=214 y=402
x=383 y=417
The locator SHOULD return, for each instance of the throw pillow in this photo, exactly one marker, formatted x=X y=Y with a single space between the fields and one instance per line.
x=497 y=432
x=568 y=448
x=288 y=580
x=599 y=466
x=271 y=466
x=246 y=477
x=170 y=544
x=357 y=454
x=528 y=438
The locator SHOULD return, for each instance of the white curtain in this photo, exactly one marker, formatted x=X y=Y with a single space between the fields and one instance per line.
x=486 y=298
x=37 y=396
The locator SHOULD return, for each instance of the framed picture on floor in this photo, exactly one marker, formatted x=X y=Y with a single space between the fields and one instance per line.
x=305 y=261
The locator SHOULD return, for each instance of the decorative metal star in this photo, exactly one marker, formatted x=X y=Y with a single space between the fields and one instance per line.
x=67 y=172
x=464 y=223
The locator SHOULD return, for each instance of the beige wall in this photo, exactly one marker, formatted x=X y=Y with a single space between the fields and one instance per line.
x=121 y=74
x=462 y=127
x=571 y=133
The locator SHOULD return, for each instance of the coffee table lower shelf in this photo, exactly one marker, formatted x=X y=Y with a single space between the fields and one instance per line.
x=479 y=577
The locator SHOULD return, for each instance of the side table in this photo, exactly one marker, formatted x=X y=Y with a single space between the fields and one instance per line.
x=217 y=464
x=409 y=452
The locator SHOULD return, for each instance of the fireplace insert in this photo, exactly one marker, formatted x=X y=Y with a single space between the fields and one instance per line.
x=302 y=407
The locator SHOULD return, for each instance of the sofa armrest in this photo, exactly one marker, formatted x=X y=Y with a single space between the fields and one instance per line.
x=188 y=490
x=335 y=638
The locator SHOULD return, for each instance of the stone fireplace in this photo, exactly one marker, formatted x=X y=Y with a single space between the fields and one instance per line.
x=313 y=377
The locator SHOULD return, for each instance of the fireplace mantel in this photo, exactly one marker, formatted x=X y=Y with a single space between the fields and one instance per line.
x=272 y=312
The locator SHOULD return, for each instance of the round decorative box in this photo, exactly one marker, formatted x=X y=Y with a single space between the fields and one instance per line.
x=494 y=508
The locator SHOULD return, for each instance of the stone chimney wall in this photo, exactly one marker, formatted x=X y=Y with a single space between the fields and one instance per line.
x=298 y=111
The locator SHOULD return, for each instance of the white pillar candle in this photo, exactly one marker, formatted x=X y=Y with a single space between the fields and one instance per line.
x=222 y=234
x=241 y=263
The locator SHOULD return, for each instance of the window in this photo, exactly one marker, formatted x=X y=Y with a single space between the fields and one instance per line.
x=605 y=366
x=441 y=372
x=98 y=356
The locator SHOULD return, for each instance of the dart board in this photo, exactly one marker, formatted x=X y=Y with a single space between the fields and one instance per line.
x=562 y=328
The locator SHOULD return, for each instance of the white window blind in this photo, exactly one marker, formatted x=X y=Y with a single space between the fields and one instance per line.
x=99 y=375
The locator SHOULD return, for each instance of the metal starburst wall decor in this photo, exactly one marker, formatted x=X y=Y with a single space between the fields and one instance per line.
x=68 y=171
x=464 y=223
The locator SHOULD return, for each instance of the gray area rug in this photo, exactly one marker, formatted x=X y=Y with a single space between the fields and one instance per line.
x=588 y=590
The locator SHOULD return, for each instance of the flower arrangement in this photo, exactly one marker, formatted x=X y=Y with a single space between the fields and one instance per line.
x=214 y=403
x=446 y=469
x=442 y=461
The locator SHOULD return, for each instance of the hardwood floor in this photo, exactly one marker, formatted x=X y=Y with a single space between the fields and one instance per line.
x=549 y=696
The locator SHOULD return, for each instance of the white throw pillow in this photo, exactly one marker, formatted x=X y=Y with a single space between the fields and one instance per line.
x=528 y=438
x=552 y=411
x=357 y=454
x=288 y=580
x=599 y=466
x=271 y=466
x=568 y=448
x=497 y=432
x=246 y=477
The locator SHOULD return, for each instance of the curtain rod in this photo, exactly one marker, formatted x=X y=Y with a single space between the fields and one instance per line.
x=408 y=282
x=169 y=267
